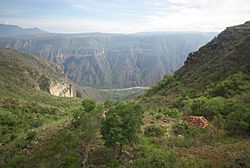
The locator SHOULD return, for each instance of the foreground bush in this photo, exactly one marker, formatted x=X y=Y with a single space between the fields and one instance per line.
x=152 y=130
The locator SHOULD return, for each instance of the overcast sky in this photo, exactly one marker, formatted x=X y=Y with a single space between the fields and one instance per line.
x=125 y=16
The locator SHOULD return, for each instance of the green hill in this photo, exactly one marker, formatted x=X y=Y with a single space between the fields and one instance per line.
x=23 y=72
x=214 y=83
x=26 y=102
x=220 y=68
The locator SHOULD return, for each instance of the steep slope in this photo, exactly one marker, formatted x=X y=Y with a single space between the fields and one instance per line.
x=112 y=60
x=22 y=71
x=13 y=30
x=203 y=109
x=28 y=106
x=22 y=74
x=218 y=61
x=214 y=82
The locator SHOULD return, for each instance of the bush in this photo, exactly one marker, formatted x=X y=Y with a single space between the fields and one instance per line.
x=172 y=113
x=31 y=135
x=79 y=114
x=89 y=105
x=156 y=158
x=233 y=85
x=152 y=130
x=122 y=124
x=202 y=106
x=238 y=121
x=158 y=116
x=180 y=129
x=71 y=160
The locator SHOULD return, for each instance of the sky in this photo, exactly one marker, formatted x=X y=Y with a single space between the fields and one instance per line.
x=125 y=16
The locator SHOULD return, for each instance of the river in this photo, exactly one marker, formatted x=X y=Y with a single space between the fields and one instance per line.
x=122 y=89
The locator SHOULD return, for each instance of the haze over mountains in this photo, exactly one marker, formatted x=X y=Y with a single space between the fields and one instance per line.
x=14 y=30
x=111 y=60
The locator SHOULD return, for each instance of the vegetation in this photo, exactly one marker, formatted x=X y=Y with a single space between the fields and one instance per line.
x=121 y=125
x=214 y=83
x=154 y=130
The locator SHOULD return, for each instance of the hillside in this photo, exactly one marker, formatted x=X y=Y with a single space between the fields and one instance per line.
x=112 y=60
x=25 y=72
x=190 y=120
x=213 y=86
x=13 y=30
x=34 y=93
x=215 y=65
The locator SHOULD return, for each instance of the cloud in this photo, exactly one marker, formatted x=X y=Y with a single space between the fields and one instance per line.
x=71 y=25
x=126 y=16
x=4 y=22
x=199 y=15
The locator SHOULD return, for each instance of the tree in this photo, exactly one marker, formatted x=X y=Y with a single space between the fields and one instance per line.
x=238 y=121
x=121 y=125
x=88 y=105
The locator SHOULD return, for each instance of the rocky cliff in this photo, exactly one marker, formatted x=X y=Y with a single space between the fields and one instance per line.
x=61 y=89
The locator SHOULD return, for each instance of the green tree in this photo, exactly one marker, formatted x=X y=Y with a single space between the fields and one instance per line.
x=88 y=105
x=213 y=107
x=121 y=125
x=238 y=121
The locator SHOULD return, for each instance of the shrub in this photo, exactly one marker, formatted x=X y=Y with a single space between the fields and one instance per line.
x=233 y=85
x=238 y=121
x=179 y=129
x=71 y=160
x=152 y=113
x=158 y=116
x=88 y=105
x=172 y=113
x=31 y=135
x=203 y=106
x=156 y=158
x=122 y=124
x=152 y=130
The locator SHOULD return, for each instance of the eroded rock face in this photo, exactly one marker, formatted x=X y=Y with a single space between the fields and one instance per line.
x=109 y=60
x=61 y=89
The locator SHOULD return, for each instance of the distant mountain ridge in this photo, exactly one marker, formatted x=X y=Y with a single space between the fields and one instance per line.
x=14 y=30
x=111 y=60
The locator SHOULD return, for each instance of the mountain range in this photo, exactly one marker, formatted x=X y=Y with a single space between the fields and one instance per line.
x=112 y=60
x=14 y=30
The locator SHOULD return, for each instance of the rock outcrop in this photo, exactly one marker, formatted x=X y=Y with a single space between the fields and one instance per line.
x=61 y=89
